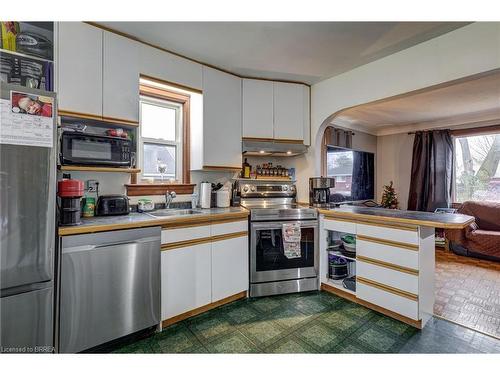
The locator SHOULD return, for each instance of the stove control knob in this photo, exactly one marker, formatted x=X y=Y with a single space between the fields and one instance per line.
x=292 y=188
x=285 y=188
x=252 y=188
x=245 y=188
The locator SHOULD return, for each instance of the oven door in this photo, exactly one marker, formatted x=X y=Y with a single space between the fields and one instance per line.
x=267 y=259
x=94 y=150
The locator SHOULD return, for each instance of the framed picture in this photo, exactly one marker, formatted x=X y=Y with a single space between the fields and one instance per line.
x=35 y=105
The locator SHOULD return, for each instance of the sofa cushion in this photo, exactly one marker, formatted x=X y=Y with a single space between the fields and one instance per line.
x=487 y=214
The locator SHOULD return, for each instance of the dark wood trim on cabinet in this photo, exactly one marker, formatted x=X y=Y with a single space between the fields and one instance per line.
x=158 y=189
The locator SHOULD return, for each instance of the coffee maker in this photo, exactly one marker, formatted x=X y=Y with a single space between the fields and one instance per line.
x=319 y=191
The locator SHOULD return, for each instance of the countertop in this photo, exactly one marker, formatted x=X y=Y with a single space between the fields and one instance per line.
x=429 y=219
x=141 y=220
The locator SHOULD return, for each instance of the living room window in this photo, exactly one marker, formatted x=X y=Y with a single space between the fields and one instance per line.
x=477 y=167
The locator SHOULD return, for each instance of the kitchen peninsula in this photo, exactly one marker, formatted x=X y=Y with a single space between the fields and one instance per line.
x=394 y=259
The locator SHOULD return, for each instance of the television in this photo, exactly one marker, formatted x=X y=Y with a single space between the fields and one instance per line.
x=354 y=173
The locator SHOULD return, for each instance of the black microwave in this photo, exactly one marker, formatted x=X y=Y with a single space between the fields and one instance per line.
x=92 y=149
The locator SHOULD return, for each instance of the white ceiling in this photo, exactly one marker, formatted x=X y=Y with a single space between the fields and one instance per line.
x=298 y=51
x=471 y=100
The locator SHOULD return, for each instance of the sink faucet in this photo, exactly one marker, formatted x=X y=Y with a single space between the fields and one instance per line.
x=169 y=196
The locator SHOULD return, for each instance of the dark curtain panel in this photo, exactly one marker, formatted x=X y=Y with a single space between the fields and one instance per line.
x=338 y=137
x=362 y=186
x=431 y=171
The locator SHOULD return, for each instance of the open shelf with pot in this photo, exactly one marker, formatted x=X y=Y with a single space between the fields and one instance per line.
x=339 y=255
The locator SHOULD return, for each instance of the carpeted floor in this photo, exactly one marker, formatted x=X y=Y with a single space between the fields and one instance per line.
x=316 y=322
x=468 y=291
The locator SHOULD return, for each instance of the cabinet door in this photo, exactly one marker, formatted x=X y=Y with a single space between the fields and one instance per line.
x=221 y=119
x=79 y=68
x=185 y=279
x=121 y=78
x=306 y=92
x=257 y=108
x=229 y=267
x=288 y=111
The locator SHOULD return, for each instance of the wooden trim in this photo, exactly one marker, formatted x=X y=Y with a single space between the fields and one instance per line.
x=170 y=83
x=186 y=243
x=131 y=37
x=221 y=168
x=391 y=266
x=90 y=116
x=167 y=223
x=89 y=168
x=211 y=222
x=387 y=288
x=403 y=245
x=187 y=222
x=375 y=224
x=353 y=298
x=397 y=220
x=273 y=140
x=134 y=190
x=475 y=131
x=202 y=309
x=185 y=101
x=202 y=240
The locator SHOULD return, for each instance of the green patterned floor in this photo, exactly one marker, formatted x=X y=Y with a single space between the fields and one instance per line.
x=316 y=322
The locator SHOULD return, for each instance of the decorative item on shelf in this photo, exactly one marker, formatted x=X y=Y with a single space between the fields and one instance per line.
x=389 y=197
x=162 y=168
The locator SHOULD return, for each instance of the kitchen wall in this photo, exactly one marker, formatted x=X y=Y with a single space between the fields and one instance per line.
x=463 y=52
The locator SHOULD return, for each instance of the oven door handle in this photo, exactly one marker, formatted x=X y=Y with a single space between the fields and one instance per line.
x=279 y=225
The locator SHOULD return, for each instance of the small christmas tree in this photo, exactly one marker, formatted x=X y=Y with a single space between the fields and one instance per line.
x=389 y=197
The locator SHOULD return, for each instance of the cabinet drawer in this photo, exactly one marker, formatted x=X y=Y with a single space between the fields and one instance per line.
x=232 y=227
x=402 y=280
x=405 y=236
x=340 y=226
x=184 y=234
x=387 y=300
x=403 y=257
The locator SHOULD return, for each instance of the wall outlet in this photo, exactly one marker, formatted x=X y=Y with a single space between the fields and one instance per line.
x=92 y=186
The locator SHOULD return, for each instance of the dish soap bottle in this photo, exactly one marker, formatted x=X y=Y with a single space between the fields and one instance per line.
x=246 y=169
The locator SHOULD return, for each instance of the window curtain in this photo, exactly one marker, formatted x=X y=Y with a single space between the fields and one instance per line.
x=337 y=137
x=431 y=171
x=362 y=176
x=334 y=137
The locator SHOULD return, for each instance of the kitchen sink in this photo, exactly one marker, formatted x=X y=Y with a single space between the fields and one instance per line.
x=173 y=212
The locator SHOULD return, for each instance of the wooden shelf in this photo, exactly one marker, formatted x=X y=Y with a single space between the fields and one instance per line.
x=337 y=284
x=89 y=168
x=100 y=120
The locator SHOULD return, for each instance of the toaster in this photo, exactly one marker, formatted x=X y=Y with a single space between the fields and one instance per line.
x=112 y=205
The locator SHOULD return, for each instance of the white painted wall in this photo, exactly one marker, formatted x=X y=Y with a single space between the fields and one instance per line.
x=466 y=51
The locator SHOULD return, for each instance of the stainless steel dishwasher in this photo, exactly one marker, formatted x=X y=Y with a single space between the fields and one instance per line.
x=109 y=286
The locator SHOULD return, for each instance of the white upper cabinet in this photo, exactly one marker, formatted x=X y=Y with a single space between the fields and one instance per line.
x=120 y=78
x=257 y=99
x=306 y=90
x=170 y=68
x=288 y=111
x=79 y=67
x=221 y=120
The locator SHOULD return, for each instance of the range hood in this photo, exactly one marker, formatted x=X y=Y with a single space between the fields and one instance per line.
x=272 y=148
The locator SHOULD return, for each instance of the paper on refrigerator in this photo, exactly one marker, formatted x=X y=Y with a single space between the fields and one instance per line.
x=25 y=129
x=291 y=240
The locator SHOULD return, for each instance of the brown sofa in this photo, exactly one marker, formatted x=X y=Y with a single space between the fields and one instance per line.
x=482 y=238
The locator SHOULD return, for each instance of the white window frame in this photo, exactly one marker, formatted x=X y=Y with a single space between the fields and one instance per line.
x=178 y=107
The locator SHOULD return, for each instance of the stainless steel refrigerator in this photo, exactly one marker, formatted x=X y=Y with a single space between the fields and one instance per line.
x=27 y=220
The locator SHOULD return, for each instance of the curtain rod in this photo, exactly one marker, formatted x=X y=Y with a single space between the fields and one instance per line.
x=426 y=130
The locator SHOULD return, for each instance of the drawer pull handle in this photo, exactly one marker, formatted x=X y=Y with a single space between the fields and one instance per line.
x=403 y=245
x=391 y=266
x=387 y=288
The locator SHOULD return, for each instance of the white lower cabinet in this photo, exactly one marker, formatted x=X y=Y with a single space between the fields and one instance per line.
x=186 y=275
x=229 y=267
x=198 y=274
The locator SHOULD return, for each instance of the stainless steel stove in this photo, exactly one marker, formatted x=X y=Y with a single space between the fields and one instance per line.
x=273 y=270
